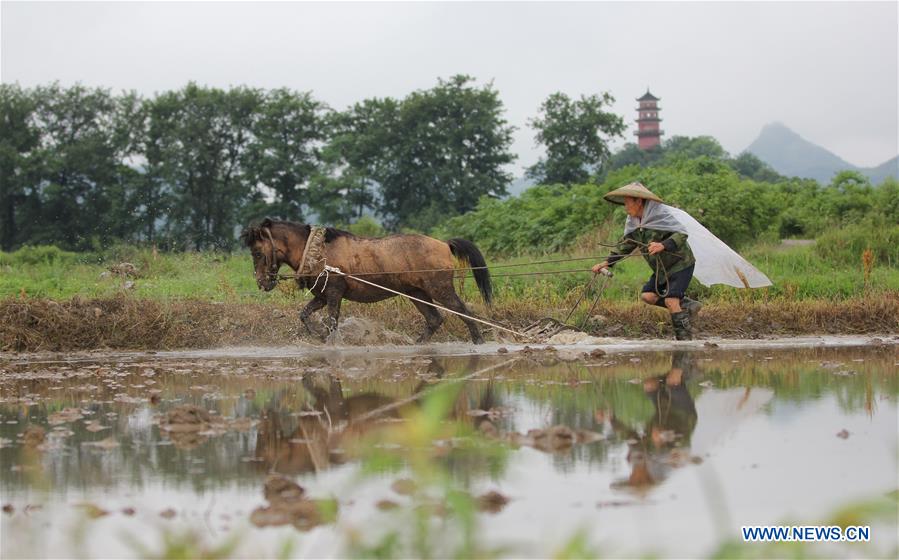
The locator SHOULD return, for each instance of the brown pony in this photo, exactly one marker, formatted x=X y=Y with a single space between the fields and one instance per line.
x=383 y=261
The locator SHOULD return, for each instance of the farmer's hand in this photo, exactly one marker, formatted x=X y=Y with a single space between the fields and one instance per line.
x=655 y=248
x=597 y=268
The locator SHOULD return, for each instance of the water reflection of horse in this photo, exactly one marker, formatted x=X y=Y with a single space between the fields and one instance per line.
x=430 y=262
x=324 y=435
x=311 y=444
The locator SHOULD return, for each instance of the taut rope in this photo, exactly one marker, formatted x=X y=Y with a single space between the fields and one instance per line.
x=335 y=270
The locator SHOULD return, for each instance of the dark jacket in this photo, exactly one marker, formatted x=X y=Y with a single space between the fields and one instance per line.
x=676 y=256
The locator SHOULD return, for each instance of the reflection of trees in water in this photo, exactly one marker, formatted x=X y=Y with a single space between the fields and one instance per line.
x=142 y=456
x=246 y=388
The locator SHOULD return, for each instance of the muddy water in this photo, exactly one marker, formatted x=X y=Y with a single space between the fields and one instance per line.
x=663 y=454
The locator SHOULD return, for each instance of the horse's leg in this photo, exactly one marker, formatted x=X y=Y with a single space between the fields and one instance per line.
x=334 y=295
x=317 y=303
x=448 y=297
x=330 y=399
x=433 y=318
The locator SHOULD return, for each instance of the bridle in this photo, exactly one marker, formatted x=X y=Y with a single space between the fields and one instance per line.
x=272 y=258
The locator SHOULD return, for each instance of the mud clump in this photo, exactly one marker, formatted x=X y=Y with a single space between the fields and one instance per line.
x=186 y=425
x=573 y=337
x=386 y=505
x=189 y=425
x=544 y=356
x=492 y=502
x=185 y=418
x=288 y=505
x=104 y=444
x=92 y=511
x=556 y=439
x=65 y=416
x=404 y=486
x=280 y=489
x=355 y=331
x=34 y=436
x=95 y=426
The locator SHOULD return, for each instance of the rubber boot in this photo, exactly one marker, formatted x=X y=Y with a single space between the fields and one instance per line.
x=681 y=323
x=686 y=304
x=692 y=306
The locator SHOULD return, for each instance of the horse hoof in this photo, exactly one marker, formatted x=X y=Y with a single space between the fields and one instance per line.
x=478 y=341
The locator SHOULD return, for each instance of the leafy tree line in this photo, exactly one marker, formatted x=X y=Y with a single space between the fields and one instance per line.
x=82 y=168
x=717 y=191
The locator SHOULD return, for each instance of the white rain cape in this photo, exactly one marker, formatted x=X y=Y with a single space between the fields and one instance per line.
x=716 y=263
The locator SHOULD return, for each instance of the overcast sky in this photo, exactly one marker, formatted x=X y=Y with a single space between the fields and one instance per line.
x=826 y=70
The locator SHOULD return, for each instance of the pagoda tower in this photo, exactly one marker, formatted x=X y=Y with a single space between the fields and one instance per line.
x=648 y=131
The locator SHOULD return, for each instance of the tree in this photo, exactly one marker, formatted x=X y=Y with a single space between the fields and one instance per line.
x=356 y=159
x=286 y=151
x=80 y=160
x=576 y=135
x=19 y=137
x=154 y=197
x=632 y=154
x=206 y=162
x=681 y=148
x=429 y=156
x=750 y=166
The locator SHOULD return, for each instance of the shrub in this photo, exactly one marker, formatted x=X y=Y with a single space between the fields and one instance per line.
x=37 y=255
x=544 y=218
x=366 y=226
x=846 y=245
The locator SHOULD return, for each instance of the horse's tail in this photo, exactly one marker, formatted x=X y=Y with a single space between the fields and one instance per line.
x=467 y=251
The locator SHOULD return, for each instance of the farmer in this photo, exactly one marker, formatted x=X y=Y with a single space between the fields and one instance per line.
x=662 y=239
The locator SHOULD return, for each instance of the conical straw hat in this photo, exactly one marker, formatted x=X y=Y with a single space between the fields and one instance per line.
x=635 y=190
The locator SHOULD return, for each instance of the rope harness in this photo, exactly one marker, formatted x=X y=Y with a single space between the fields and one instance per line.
x=313 y=254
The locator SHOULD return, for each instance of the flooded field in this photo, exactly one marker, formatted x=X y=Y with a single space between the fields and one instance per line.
x=513 y=453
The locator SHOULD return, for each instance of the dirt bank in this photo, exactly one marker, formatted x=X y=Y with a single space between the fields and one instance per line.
x=28 y=325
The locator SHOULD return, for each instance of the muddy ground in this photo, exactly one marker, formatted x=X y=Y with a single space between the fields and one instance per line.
x=29 y=325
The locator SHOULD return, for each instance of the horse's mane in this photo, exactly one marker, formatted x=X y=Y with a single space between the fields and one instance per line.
x=252 y=234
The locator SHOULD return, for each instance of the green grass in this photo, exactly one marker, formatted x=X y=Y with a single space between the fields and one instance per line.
x=798 y=273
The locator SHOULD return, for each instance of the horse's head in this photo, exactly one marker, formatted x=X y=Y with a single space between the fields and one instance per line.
x=268 y=253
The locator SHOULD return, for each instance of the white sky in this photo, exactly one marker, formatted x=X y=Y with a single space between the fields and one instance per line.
x=826 y=70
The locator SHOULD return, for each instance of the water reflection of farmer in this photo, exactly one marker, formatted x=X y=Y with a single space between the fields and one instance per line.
x=663 y=242
x=665 y=441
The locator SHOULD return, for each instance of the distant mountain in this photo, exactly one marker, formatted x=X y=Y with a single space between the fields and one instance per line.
x=884 y=170
x=794 y=156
